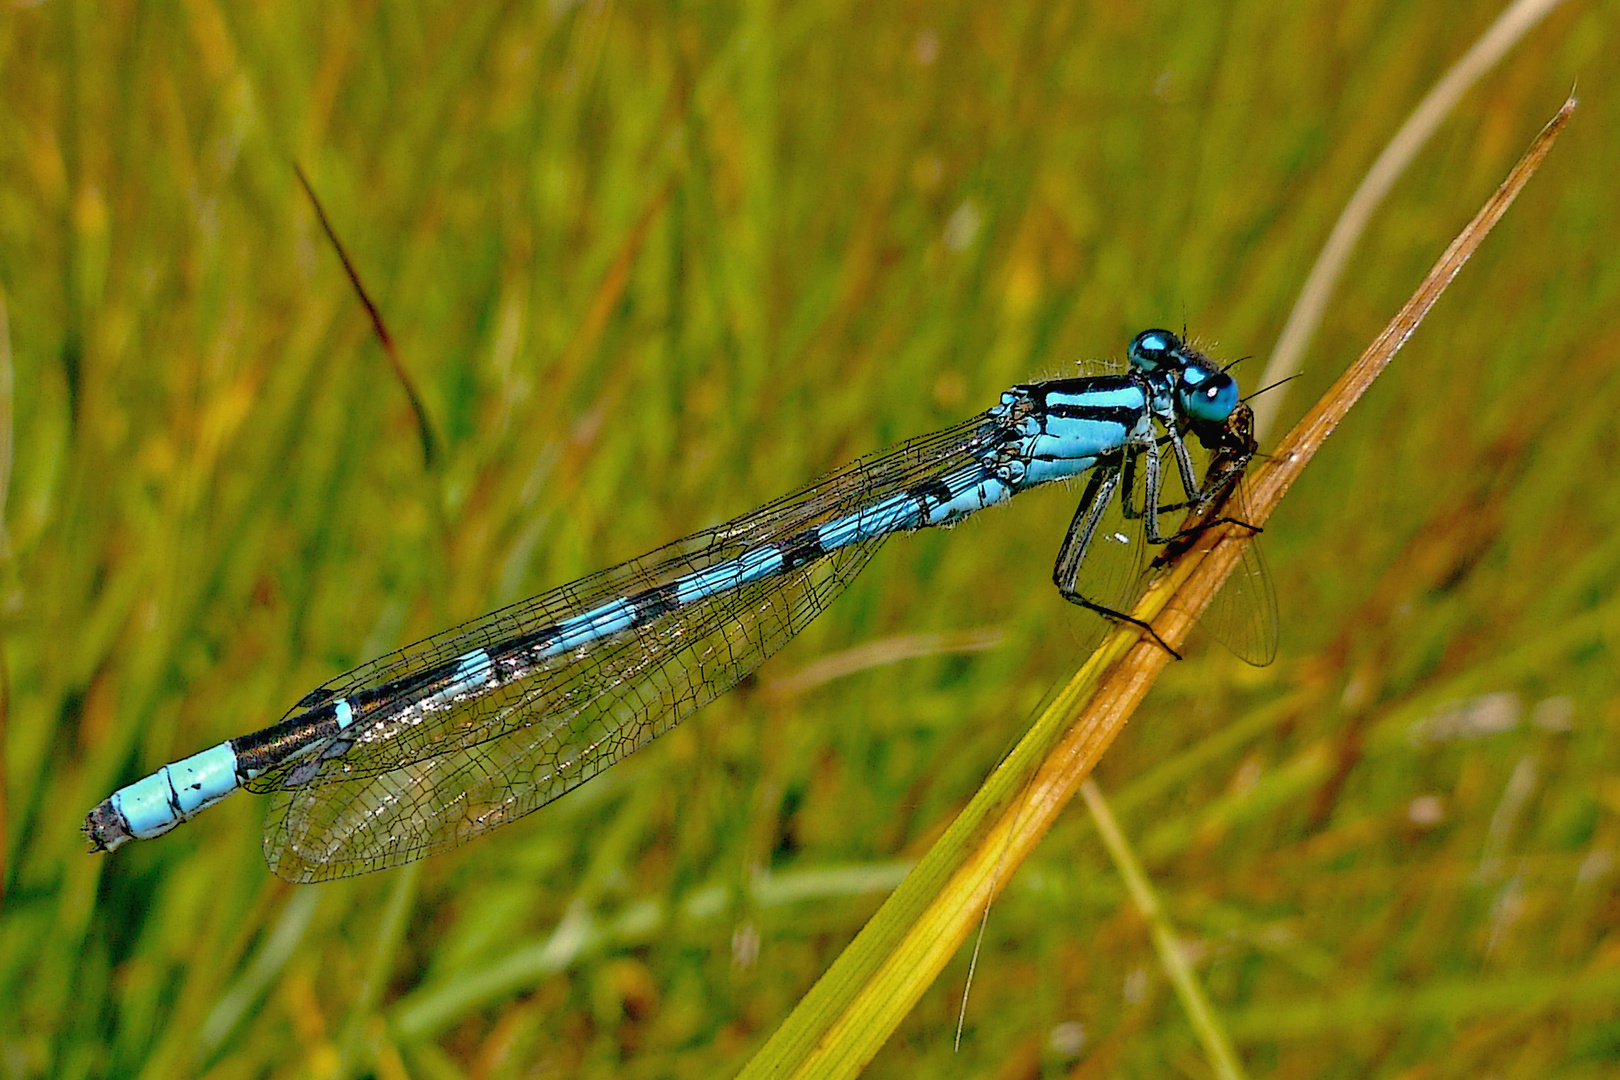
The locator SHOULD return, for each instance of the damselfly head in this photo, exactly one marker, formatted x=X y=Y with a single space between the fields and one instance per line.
x=1205 y=393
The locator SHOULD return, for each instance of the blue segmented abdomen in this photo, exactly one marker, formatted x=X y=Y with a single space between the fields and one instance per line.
x=177 y=792
x=157 y=803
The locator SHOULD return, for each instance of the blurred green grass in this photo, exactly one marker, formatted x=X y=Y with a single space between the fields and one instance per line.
x=654 y=266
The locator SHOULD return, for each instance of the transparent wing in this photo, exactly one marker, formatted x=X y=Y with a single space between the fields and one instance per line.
x=1243 y=615
x=404 y=790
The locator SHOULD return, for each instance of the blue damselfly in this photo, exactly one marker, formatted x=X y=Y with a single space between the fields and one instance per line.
x=423 y=749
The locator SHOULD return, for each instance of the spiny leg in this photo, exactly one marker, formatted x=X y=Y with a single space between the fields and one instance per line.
x=1077 y=541
x=1150 y=491
x=1184 y=464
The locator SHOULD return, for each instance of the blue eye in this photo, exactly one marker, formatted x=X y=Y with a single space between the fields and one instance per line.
x=1152 y=349
x=1209 y=398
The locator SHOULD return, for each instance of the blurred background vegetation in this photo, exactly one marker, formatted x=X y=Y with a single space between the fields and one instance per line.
x=653 y=265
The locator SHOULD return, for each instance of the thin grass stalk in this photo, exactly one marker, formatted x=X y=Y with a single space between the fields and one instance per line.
x=1517 y=20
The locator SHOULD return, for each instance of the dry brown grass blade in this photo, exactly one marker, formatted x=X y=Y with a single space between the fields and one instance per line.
x=852 y=1010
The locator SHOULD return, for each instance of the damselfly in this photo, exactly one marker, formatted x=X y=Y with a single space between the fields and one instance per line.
x=425 y=748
